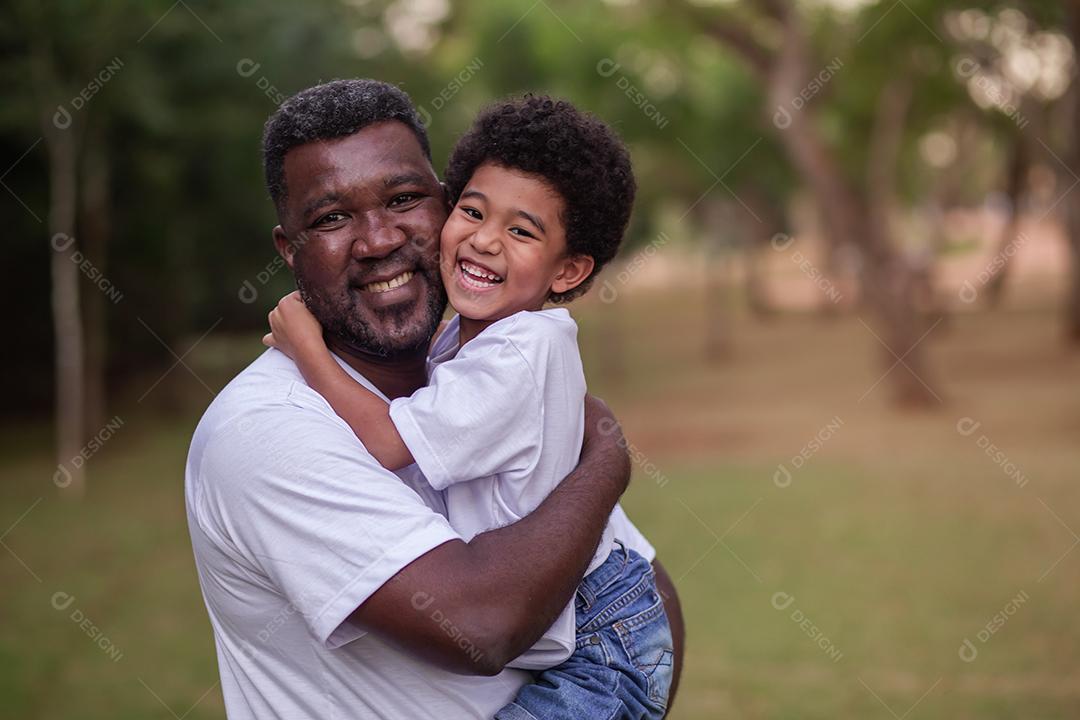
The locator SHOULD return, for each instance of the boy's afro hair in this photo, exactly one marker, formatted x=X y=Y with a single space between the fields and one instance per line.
x=573 y=151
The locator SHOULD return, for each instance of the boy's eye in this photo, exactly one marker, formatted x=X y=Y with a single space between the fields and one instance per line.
x=521 y=232
x=472 y=212
x=404 y=199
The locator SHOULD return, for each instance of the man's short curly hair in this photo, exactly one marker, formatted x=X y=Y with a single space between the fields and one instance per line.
x=575 y=152
x=332 y=110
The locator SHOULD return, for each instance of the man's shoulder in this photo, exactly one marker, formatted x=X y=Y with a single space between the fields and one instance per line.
x=269 y=380
x=266 y=398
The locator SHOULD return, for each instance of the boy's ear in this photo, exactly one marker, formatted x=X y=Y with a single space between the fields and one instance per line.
x=574 y=270
x=286 y=248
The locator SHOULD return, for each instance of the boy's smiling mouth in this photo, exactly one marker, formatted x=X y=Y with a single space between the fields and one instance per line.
x=476 y=276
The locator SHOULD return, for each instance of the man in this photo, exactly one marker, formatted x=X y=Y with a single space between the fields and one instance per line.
x=334 y=587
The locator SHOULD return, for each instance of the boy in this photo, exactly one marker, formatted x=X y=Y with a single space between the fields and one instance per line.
x=541 y=195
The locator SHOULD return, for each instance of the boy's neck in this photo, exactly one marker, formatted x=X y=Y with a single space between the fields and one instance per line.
x=469 y=328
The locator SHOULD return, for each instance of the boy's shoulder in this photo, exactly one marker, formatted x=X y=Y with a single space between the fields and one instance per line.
x=548 y=320
x=536 y=328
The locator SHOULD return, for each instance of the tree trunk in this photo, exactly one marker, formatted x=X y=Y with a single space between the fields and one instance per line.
x=886 y=140
x=718 y=300
x=67 y=319
x=851 y=219
x=1014 y=192
x=94 y=237
x=757 y=246
x=1072 y=300
x=892 y=292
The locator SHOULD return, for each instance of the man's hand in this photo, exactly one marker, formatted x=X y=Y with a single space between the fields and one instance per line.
x=293 y=328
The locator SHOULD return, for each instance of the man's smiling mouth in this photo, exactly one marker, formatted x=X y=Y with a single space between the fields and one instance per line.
x=380 y=286
x=477 y=276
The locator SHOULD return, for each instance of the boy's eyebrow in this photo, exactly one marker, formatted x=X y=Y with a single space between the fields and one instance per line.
x=533 y=219
x=521 y=213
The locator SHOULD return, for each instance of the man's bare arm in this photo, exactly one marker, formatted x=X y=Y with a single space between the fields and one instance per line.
x=474 y=607
x=673 y=608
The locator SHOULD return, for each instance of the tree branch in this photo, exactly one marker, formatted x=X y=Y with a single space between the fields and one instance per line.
x=735 y=34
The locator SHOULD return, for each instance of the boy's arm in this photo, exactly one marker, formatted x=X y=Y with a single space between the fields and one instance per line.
x=296 y=332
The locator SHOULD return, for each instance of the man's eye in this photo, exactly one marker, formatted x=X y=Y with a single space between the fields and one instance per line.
x=472 y=212
x=404 y=199
x=330 y=218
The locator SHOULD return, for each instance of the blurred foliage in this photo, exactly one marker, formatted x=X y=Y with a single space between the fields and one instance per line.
x=182 y=123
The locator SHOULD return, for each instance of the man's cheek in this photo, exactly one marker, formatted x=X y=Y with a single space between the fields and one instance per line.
x=427 y=243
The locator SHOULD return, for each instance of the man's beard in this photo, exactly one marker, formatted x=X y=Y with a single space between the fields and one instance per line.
x=397 y=330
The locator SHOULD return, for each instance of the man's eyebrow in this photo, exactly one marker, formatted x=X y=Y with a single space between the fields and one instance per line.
x=406 y=178
x=324 y=199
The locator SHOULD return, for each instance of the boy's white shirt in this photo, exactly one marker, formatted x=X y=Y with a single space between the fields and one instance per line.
x=498 y=426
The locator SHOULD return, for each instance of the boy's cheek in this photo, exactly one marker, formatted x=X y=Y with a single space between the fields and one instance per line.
x=449 y=240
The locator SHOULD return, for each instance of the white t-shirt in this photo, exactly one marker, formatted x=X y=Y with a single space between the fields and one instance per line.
x=294 y=524
x=498 y=426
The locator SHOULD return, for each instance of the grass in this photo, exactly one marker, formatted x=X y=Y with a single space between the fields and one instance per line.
x=897 y=539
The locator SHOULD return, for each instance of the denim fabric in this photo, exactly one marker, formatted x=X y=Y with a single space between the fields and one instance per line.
x=622 y=666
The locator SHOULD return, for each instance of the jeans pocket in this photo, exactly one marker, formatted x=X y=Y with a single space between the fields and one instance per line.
x=646 y=639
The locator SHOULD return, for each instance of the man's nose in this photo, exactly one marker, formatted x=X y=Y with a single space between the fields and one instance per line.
x=378 y=238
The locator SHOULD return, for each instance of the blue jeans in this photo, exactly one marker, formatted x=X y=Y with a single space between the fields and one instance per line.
x=622 y=665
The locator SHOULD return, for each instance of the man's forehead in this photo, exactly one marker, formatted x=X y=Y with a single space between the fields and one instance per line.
x=376 y=155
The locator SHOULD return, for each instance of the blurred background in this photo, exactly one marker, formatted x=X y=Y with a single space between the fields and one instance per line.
x=843 y=335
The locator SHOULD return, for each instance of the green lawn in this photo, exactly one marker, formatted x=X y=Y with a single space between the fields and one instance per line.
x=896 y=541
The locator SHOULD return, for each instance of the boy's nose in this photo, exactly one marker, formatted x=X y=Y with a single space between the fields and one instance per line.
x=485 y=240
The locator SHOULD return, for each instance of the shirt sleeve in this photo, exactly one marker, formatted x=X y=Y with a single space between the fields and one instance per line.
x=312 y=508
x=481 y=413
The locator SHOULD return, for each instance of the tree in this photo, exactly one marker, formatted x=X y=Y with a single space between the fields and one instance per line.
x=852 y=217
x=1072 y=301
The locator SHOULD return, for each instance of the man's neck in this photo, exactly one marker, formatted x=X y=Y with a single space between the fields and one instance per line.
x=395 y=377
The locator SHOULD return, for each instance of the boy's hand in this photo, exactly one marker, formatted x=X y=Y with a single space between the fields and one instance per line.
x=293 y=327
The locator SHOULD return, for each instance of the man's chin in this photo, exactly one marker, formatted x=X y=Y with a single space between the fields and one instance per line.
x=397 y=329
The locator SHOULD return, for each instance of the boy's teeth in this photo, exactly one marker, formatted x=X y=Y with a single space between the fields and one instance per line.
x=390 y=284
x=479 y=273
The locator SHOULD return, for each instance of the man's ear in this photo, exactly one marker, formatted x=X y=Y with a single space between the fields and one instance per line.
x=285 y=247
x=575 y=269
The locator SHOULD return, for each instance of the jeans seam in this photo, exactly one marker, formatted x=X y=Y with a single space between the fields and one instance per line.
x=640 y=588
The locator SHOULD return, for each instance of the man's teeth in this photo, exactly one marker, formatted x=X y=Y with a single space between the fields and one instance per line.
x=478 y=275
x=379 y=287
